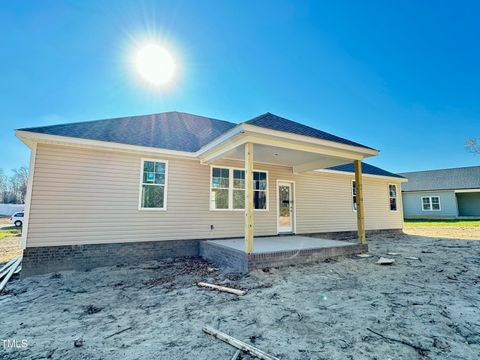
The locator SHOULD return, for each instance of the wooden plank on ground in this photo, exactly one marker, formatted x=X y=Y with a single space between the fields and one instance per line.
x=11 y=270
x=5 y=268
x=222 y=288
x=385 y=261
x=236 y=356
x=251 y=350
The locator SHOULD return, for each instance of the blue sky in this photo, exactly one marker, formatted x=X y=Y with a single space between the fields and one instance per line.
x=403 y=77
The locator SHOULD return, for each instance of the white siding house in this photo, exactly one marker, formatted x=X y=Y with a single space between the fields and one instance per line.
x=174 y=178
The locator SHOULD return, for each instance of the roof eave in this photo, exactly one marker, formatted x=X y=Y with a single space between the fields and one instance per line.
x=28 y=137
x=288 y=135
x=339 y=172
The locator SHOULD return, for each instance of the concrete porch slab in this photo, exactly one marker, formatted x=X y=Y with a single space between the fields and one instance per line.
x=275 y=251
x=281 y=243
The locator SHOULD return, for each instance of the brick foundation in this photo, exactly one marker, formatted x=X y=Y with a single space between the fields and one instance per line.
x=46 y=259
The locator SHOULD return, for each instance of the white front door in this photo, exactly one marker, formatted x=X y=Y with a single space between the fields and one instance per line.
x=285 y=207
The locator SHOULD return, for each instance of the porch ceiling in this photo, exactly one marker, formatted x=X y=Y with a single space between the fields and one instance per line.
x=299 y=152
x=287 y=157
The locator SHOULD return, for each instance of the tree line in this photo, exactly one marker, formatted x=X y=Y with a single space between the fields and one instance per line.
x=13 y=188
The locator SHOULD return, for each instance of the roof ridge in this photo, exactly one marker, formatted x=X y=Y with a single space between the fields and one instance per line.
x=257 y=117
x=335 y=138
x=122 y=118
x=202 y=116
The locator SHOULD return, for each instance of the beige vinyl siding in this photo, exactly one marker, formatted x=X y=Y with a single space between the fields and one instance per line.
x=85 y=196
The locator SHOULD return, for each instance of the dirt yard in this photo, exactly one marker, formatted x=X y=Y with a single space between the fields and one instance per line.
x=10 y=243
x=9 y=248
x=346 y=309
x=449 y=232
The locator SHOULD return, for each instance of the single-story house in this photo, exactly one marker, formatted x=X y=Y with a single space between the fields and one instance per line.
x=158 y=185
x=446 y=193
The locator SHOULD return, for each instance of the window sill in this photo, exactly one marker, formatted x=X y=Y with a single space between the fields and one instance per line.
x=152 y=209
x=240 y=210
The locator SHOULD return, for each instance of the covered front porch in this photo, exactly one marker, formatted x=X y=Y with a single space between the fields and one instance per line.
x=276 y=251
x=301 y=153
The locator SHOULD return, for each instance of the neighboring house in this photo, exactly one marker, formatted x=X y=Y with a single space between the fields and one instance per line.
x=446 y=193
x=160 y=183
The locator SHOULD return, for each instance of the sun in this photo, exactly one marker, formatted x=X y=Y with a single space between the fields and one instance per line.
x=155 y=64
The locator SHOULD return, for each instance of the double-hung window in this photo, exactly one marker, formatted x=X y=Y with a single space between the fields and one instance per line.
x=238 y=189
x=392 y=193
x=259 y=190
x=431 y=203
x=220 y=188
x=153 y=187
x=227 y=189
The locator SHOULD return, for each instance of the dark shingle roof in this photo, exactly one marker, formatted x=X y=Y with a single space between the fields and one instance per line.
x=274 y=122
x=444 y=179
x=366 y=169
x=186 y=132
x=168 y=130
x=174 y=130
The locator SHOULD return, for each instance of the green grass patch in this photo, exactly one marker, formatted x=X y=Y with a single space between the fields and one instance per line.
x=10 y=231
x=440 y=222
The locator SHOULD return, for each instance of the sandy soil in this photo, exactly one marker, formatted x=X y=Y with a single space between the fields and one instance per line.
x=4 y=220
x=425 y=308
x=9 y=248
x=450 y=232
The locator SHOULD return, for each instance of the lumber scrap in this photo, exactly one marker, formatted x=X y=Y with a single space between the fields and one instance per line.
x=118 y=332
x=5 y=268
x=222 y=288
x=249 y=349
x=236 y=356
x=11 y=270
x=385 y=261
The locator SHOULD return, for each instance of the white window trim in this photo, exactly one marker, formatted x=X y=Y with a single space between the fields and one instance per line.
x=396 y=196
x=165 y=191
x=230 y=189
x=431 y=203
x=356 y=196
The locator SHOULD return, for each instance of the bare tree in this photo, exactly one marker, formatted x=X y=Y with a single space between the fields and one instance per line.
x=13 y=188
x=3 y=187
x=473 y=145
x=18 y=182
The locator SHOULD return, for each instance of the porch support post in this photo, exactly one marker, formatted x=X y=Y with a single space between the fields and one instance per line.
x=360 y=209
x=249 y=197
